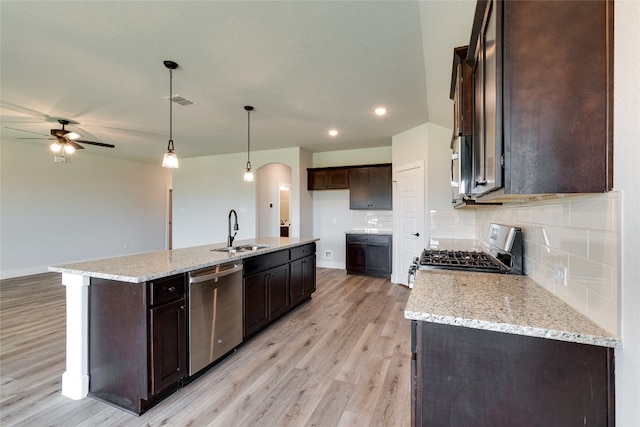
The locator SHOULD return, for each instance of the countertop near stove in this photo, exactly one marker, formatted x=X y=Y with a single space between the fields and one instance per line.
x=500 y=302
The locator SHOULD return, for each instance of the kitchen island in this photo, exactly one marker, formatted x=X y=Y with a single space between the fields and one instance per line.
x=496 y=349
x=147 y=294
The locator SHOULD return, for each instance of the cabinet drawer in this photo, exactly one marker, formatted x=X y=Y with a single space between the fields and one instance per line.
x=372 y=239
x=166 y=289
x=303 y=251
x=264 y=262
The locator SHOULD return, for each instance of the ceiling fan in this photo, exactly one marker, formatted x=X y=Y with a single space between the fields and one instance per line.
x=66 y=141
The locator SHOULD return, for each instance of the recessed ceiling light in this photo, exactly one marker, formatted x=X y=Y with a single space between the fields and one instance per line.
x=333 y=132
x=380 y=111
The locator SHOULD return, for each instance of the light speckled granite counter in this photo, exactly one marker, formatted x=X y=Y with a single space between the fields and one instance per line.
x=152 y=265
x=502 y=303
x=370 y=231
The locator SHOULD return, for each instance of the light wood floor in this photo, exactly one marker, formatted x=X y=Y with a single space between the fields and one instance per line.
x=342 y=359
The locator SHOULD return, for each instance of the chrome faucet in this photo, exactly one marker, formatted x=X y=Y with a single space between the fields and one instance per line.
x=235 y=227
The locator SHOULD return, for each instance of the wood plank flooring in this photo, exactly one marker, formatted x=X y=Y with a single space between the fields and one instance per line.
x=341 y=359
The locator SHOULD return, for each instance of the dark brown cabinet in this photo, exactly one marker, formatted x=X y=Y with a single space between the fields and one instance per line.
x=137 y=340
x=370 y=188
x=465 y=376
x=333 y=178
x=302 y=270
x=168 y=354
x=461 y=92
x=369 y=255
x=266 y=290
x=543 y=97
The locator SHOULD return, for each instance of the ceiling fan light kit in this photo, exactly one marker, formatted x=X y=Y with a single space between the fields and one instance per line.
x=170 y=159
x=64 y=141
x=248 y=173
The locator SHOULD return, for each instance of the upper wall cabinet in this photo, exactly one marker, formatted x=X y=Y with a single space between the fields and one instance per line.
x=336 y=178
x=462 y=92
x=370 y=187
x=543 y=97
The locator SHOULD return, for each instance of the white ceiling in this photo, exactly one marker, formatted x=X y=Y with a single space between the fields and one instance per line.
x=306 y=66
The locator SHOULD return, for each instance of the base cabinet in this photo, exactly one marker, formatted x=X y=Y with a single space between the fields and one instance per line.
x=464 y=376
x=302 y=278
x=276 y=282
x=137 y=341
x=266 y=297
x=369 y=255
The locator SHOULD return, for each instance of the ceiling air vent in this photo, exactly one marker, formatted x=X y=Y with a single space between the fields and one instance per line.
x=181 y=100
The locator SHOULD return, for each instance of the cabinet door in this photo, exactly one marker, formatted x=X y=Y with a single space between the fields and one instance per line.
x=255 y=296
x=278 y=284
x=302 y=279
x=317 y=180
x=338 y=179
x=168 y=346
x=359 y=188
x=380 y=188
x=296 y=281
x=356 y=257
x=309 y=275
x=379 y=258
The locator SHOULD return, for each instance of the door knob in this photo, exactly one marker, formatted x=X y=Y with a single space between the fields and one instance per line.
x=416 y=234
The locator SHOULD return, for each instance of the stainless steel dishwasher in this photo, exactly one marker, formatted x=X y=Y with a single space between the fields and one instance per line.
x=215 y=313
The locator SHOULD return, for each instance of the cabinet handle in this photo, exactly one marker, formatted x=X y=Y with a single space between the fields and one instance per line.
x=416 y=234
x=171 y=289
x=182 y=307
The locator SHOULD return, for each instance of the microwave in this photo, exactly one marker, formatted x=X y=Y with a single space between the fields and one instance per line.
x=461 y=167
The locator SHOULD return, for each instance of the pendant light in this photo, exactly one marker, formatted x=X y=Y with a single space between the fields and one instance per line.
x=248 y=174
x=170 y=159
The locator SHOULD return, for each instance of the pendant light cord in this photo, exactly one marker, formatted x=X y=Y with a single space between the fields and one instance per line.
x=248 y=135
x=170 y=146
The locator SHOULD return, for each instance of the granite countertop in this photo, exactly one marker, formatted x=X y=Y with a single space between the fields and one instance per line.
x=500 y=302
x=152 y=265
x=370 y=231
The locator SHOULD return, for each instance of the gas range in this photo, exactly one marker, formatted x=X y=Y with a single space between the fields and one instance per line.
x=502 y=252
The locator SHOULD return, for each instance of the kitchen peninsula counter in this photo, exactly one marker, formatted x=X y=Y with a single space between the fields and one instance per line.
x=153 y=265
x=502 y=303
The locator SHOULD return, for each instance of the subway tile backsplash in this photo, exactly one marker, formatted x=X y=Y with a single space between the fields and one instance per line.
x=372 y=220
x=570 y=246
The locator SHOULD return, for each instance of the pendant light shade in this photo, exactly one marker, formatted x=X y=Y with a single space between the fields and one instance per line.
x=170 y=159
x=248 y=173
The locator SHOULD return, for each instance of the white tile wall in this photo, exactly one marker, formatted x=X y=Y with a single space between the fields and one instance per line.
x=452 y=224
x=577 y=235
x=372 y=220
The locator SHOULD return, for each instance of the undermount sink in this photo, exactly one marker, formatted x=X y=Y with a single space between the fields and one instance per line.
x=242 y=248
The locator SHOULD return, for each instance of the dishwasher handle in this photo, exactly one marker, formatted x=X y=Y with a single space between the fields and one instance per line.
x=214 y=273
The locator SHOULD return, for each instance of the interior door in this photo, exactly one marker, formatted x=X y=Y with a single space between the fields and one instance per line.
x=408 y=218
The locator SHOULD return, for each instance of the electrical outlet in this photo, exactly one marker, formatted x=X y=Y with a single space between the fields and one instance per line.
x=561 y=275
x=328 y=254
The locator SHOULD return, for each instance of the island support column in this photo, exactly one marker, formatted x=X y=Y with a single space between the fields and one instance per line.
x=75 y=380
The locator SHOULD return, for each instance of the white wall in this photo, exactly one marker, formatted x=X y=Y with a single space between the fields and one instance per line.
x=332 y=217
x=205 y=189
x=626 y=131
x=91 y=207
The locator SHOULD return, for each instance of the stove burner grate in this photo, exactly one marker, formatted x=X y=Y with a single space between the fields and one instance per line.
x=459 y=260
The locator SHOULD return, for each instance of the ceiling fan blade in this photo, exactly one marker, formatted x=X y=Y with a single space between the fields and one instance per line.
x=100 y=144
x=23 y=130
x=74 y=145
x=51 y=139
